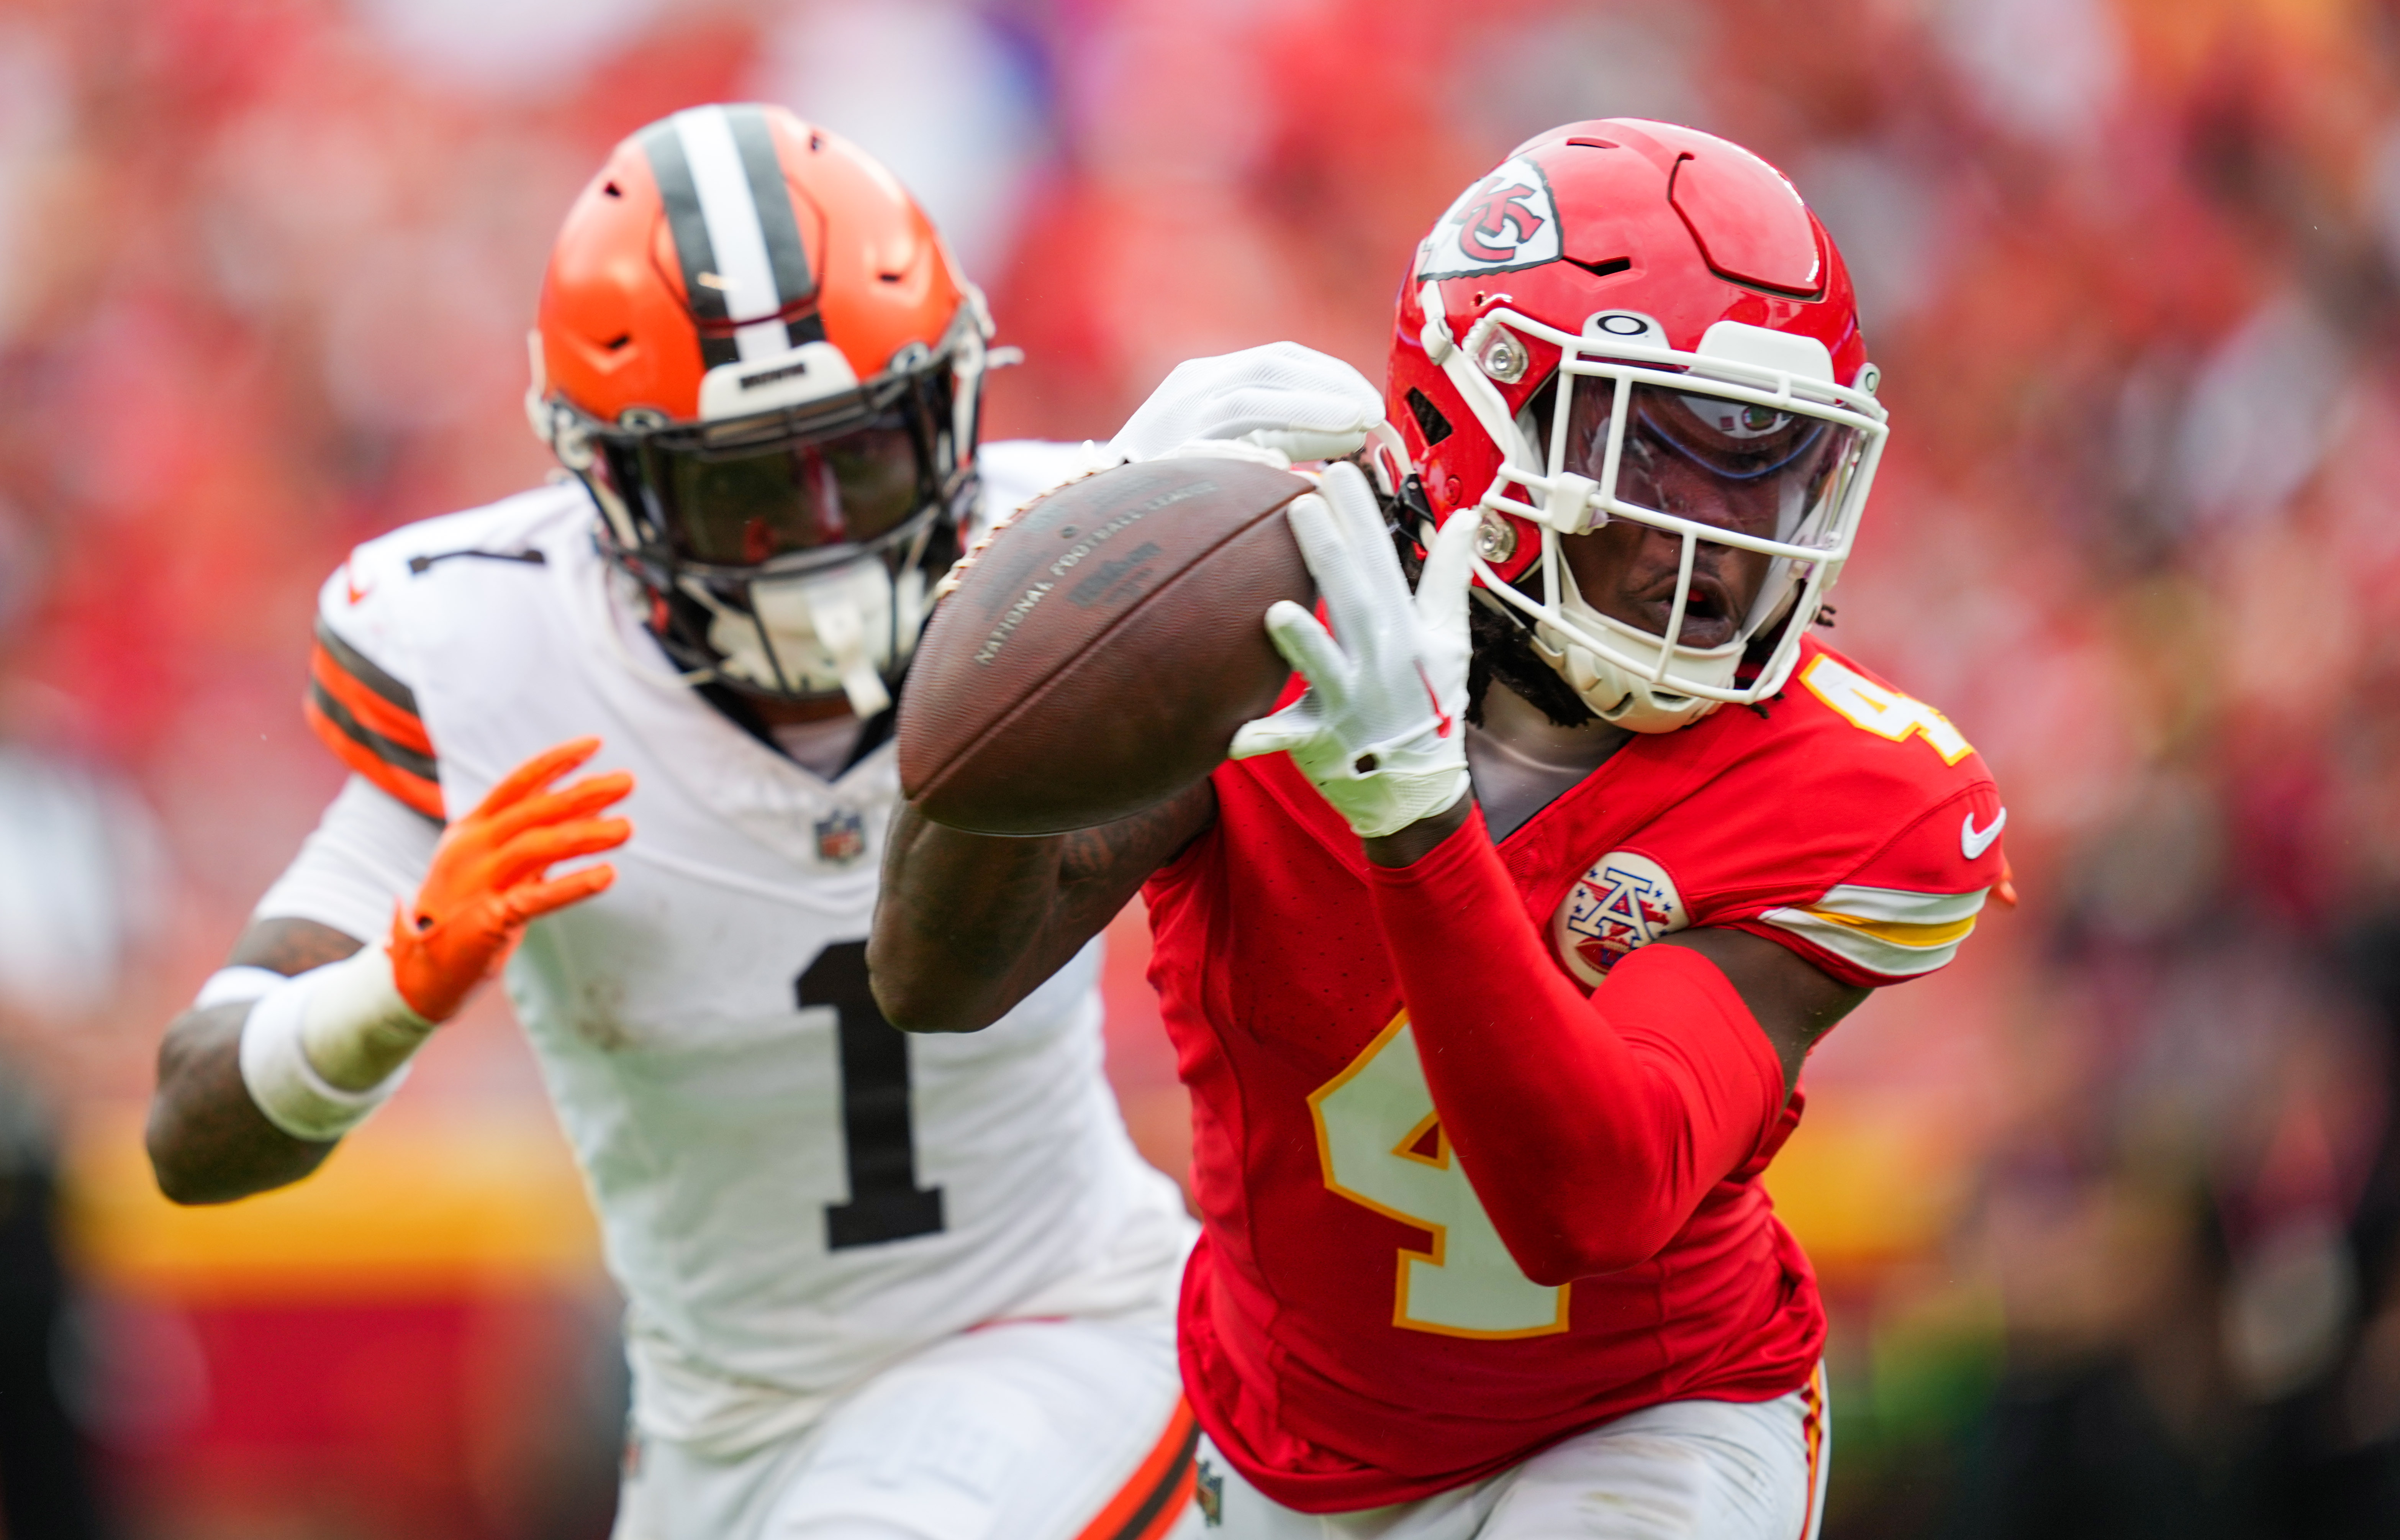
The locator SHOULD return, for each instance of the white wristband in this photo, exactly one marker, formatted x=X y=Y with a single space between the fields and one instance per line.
x=236 y=986
x=337 y=1016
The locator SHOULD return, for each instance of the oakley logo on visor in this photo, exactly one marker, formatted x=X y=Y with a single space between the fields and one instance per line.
x=1736 y=419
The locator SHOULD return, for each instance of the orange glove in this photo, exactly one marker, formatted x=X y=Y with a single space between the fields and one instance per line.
x=490 y=876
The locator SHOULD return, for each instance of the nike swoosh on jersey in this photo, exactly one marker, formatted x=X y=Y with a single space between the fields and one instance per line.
x=1973 y=842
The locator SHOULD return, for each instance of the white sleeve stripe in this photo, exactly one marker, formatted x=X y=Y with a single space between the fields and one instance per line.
x=1874 y=953
x=1899 y=906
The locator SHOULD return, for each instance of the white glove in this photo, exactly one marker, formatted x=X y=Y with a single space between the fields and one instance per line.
x=1298 y=402
x=1382 y=728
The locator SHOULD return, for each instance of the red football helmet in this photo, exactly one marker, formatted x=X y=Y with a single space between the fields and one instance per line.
x=756 y=354
x=1618 y=300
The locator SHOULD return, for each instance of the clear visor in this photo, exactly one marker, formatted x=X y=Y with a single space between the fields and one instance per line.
x=1751 y=469
x=736 y=503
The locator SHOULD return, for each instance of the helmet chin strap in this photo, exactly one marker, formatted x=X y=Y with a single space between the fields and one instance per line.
x=1630 y=698
x=794 y=621
x=1618 y=695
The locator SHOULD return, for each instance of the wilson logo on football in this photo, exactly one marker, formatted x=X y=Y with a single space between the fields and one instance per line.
x=1504 y=221
x=1623 y=902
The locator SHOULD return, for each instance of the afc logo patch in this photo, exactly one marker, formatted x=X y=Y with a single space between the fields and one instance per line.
x=1623 y=902
x=1506 y=221
x=842 y=837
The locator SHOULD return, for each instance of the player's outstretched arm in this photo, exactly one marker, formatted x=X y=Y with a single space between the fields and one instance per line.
x=968 y=924
x=209 y=1142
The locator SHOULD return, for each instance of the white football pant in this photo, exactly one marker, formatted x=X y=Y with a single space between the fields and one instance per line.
x=1029 y=1430
x=1685 y=1470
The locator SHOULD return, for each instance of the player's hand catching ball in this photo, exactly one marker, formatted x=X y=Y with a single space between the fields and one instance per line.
x=1293 y=401
x=490 y=876
x=1381 y=729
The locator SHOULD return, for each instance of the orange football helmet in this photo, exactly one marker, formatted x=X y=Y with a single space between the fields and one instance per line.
x=758 y=355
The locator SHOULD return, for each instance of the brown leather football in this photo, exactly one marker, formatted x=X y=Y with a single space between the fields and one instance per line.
x=1100 y=653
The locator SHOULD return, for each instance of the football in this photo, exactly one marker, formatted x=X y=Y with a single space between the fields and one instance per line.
x=1097 y=656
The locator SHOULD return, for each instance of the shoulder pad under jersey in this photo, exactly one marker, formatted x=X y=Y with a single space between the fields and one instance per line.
x=362 y=696
x=1912 y=851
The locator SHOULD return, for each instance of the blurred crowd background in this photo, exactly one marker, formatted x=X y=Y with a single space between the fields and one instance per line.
x=2108 y=1214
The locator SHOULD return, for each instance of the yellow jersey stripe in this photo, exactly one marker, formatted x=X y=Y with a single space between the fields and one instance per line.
x=1893 y=950
x=1900 y=933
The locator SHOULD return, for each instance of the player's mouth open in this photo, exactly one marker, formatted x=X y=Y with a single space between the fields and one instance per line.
x=1708 y=614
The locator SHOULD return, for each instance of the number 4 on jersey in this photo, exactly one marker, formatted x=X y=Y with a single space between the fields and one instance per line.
x=1382 y=1146
x=1883 y=711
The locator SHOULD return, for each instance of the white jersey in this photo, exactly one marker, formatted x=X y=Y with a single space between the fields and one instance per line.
x=793 y=1194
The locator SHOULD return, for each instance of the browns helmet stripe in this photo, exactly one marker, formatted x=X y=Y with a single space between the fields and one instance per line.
x=664 y=145
x=746 y=271
x=787 y=240
x=771 y=196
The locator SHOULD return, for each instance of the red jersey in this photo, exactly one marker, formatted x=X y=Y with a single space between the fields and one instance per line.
x=1354 y=1331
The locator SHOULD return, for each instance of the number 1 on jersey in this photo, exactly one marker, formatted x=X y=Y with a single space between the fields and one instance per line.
x=1382 y=1146
x=878 y=1126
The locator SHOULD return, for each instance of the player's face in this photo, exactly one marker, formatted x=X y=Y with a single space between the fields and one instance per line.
x=743 y=508
x=1746 y=469
x=1628 y=572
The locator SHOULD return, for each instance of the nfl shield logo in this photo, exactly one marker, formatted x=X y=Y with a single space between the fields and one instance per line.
x=1208 y=1491
x=841 y=838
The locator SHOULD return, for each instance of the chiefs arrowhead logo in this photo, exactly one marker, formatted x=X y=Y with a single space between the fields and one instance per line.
x=1625 y=901
x=1506 y=221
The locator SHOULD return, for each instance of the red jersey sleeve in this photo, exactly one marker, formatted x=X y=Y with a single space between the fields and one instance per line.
x=1591 y=1128
x=1881 y=849
x=1905 y=910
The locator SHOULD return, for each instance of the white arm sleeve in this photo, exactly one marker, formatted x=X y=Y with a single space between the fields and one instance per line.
x=369 y=852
